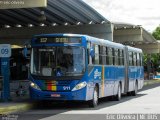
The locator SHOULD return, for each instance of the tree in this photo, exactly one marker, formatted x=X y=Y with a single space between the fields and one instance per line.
x=156 y=57
x=156 y=33
x=154 y=61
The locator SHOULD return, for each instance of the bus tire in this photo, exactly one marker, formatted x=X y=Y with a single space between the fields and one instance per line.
x=119 y=95
x=134 y=93
x=128 y=93
x=94 y=102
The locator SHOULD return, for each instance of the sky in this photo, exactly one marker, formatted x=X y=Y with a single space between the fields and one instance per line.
x=137 y=12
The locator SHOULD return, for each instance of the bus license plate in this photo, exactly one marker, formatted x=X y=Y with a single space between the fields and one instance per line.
x=55 y=95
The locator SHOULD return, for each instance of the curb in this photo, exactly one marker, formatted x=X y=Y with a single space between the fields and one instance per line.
x=15 y=108
x=151 y=82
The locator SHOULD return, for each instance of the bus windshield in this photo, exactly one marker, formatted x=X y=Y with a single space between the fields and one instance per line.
x=58 y=61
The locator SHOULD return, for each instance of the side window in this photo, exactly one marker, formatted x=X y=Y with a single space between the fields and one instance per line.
x=116 y=56
x=140 y=56
x=119 y=57
x=138 y=60
x=96 y=54
x=130 y=58
x=104 y=56
x=113 y=56
x=93 y=58
x=107 y=55
x=100 y=54
x=122 y=58
x=135 y=59
x=88 y=52
x=110 y=56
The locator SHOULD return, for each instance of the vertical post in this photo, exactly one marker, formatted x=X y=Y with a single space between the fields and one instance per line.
x=6 y=84
x=1 y=84
x=149 y=65
x=5 y=53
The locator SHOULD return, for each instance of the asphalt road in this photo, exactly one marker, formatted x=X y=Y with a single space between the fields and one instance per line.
x=147 y=101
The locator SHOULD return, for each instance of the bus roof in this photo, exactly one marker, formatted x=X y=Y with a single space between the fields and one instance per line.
x=105 y=42
x=134 y=49
x=59 y=34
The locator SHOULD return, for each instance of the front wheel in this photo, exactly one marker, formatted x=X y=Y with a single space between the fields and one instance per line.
x=94 y=101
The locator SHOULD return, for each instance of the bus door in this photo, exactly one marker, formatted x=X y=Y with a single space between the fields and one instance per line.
x=126 y=63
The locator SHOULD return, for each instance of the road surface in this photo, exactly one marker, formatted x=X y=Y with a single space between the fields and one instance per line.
x=147 y=101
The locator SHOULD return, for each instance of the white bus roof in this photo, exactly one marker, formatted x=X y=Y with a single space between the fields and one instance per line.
x=134 y=49
x=105 y=42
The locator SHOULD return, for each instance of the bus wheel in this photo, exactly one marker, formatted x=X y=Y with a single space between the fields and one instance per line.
x=134 y=93
x=118 y=96
x=94 y=101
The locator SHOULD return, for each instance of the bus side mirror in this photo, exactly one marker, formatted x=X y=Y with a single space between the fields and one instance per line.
x=92 y=54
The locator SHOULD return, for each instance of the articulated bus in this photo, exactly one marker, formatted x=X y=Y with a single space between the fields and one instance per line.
x=72 y=67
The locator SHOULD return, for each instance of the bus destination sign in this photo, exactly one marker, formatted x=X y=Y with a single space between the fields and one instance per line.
x=44 y=40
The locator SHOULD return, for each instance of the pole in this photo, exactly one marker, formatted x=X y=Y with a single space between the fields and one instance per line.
x=6 y=74
x=5 y=53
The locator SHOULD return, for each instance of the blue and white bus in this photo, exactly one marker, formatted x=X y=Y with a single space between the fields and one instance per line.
x=82 y=68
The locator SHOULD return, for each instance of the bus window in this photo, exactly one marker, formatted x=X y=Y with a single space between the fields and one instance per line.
x=104 y=56
x=107 y=56
x=113 y=56
x=130 y=58
x=96 y=54
x=88 y=56
x=66 y=60
x=88 y=53
x=110 y=56
x=138 y=60
x=119 y=57
x=116 y=56
x=122 y=58
x=140 y=56
x=135 y=59
x=92 y=61
x=100 y=54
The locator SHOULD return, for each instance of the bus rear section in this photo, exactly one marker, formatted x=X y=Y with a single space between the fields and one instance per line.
x=134 y=77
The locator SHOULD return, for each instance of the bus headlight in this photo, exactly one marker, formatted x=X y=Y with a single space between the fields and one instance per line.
x=79 y=86
x=35 y=86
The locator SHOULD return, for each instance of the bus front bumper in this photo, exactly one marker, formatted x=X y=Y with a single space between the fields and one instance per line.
x=50 y=95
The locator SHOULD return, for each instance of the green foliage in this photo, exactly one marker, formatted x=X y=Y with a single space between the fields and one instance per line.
x=156 y=33
x=154 y=59
x=145 y=58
